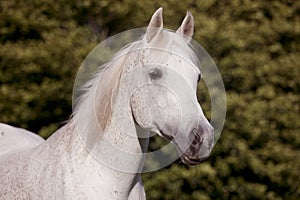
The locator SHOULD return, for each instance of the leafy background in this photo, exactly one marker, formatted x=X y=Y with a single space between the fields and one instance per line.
x=255 y=44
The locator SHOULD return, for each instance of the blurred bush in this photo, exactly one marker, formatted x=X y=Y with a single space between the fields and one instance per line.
x=256 y=45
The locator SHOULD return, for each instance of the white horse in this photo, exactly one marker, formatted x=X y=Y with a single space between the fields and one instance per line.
x=150 y=85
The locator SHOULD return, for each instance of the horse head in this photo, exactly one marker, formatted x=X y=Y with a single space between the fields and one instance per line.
x=167 y=103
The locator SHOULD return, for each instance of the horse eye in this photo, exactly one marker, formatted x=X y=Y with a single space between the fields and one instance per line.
x=199 y=78
x=155 y=73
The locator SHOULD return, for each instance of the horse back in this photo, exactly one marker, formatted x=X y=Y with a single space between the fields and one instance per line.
x=14 y=139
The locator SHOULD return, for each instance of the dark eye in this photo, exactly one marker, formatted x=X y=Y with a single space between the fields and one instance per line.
x=199 y=78
x=155 y=73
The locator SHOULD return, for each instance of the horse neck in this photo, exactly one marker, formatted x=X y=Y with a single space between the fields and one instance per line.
x=116 y=145
x=119 y=145
x=119 y=141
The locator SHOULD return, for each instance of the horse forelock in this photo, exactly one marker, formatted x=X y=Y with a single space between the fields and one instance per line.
x=174 y=43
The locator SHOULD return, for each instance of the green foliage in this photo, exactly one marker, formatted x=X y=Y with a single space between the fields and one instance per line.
x=256 y=45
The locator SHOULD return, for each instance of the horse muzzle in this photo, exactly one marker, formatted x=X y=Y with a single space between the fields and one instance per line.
x=200 y=146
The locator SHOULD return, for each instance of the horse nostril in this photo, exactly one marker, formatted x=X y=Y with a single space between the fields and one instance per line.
x=194 y=142
x=196 y=138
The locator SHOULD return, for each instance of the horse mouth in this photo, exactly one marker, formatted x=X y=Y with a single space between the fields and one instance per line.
x=166 y=136
x=188 y=160
x=191 y=161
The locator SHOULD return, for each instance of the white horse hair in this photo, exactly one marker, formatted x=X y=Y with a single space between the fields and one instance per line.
x=80 y=160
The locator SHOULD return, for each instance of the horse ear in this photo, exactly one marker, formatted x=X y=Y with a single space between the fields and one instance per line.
x=155 y=25
x=187 y=27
